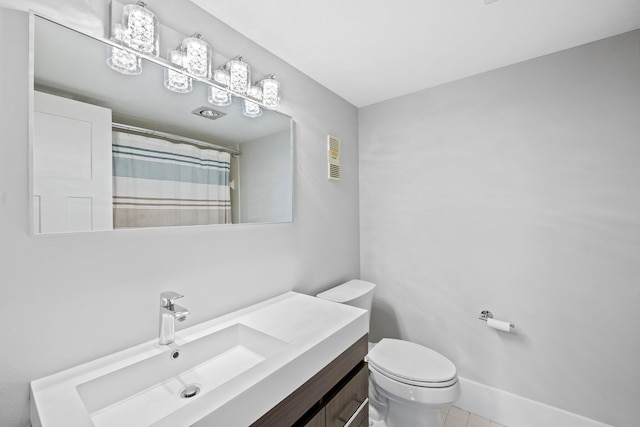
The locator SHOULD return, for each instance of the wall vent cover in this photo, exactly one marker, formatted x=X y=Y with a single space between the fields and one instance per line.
x=333 y=157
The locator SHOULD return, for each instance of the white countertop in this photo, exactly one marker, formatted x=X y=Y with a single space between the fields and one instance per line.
x=312 y=331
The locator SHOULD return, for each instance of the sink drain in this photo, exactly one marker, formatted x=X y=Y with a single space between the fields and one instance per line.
x=189 y=391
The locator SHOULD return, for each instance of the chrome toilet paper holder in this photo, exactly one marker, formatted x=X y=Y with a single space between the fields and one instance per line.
x=486 y=314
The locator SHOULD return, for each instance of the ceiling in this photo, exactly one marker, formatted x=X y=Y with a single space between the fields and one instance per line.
x=368 y=51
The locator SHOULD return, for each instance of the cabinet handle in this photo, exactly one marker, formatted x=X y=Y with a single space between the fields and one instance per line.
x=355 y=414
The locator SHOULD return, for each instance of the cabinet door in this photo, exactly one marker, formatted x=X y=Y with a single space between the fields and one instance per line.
x=349 y=400
x=318 y=420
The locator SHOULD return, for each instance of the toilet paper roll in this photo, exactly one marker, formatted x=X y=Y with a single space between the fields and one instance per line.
x=500 y=325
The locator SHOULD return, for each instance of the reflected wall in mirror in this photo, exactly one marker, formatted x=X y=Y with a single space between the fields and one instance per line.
x=113 y=151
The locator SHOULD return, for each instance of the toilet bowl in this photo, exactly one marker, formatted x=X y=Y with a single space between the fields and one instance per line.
x=408 y=382
x=411 y=383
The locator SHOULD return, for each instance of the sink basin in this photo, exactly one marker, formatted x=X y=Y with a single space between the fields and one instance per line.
x=227 y=371
x=147 y=391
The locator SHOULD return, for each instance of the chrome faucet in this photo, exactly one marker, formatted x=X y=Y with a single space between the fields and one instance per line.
x=169 y=313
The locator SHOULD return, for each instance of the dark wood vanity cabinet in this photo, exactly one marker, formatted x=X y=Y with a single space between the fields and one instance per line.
x=333 y=397
x=350 y=401
x=346 y=405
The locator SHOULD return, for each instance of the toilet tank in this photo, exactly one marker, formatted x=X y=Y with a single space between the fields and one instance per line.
x=358 y=293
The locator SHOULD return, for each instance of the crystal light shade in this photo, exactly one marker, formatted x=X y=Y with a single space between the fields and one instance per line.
x=270 y=92
x=249 y=108
x=121 y=60
x=137 y=36
x=219 y=96
x=197 y=56
x=140 y=29
x=239 y=76
x=174 y=80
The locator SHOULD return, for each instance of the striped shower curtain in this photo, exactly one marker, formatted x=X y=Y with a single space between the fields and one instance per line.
x=158 y=183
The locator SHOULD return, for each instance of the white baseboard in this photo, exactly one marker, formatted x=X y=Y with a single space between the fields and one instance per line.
x=515 y=411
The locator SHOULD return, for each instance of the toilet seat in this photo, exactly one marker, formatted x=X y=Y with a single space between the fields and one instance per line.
x=412 y=364
x=411 y=394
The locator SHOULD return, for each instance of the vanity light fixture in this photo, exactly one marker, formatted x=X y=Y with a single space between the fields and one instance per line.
x=197 y=56
x=239 y=75
x=141 y=29
x=250 y=108
x=174 y=80
x=138 y=32
x=217 y=96
x=270 y=91
x=120 y=60
x=194 y=57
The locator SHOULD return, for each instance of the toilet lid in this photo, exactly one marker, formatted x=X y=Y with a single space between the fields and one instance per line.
x=412 y=363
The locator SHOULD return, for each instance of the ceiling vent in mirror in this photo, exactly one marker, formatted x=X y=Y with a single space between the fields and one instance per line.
x=333 y=157
x=208 y=113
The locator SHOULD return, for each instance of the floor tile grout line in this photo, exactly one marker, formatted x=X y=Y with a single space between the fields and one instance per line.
x=446 y=414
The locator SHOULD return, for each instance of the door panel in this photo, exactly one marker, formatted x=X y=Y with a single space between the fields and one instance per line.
x=72 y=166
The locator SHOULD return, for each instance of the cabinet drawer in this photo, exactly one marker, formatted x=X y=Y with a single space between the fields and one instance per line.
x=348 y=400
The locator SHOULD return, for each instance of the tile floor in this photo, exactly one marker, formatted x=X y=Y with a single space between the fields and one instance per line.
x=456 y=417
x=452 y=416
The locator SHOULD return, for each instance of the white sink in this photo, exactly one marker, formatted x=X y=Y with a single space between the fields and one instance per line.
x=150 y=389
x=241 y=364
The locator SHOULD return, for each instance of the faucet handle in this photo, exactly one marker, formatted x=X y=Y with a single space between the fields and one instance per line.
x=168 y=298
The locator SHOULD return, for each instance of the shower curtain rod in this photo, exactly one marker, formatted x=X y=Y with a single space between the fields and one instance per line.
x=171 y=137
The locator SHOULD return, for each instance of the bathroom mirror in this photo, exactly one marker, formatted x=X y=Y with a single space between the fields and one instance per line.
x=113 y=151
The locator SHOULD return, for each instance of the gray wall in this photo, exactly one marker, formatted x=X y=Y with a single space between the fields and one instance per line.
x=517 y=191
x=69 y=299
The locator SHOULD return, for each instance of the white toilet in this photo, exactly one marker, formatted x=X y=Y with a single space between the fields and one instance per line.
x=408 y=383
